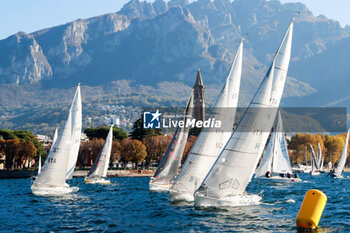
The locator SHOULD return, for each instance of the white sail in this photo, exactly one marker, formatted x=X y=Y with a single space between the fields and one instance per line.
x=100 y=166
x=321 y=168
x=266 y=162
x=171 y=160
x=53 y=173
x=53 y=142
x=319 y=156
x=76 y=111
x=277 y=153
x=39 y=166
x=314 y=166
x=235 y=166
x=54 y=138
x=344 y=154
x=210 y=142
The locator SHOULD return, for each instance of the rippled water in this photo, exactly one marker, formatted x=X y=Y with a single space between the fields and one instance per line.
x=128 y=206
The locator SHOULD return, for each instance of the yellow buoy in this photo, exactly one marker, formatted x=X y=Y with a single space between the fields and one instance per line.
x=311 y=209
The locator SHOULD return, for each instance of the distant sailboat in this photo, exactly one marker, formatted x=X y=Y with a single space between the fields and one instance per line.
x=276 y=158
x=52 y=178
x=226 y=182
x=99 y=169
x=209 y=144
x=171 y=160
x=315 y=171
x=339 y=170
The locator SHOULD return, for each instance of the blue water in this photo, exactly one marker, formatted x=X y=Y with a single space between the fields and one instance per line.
x=128 y=206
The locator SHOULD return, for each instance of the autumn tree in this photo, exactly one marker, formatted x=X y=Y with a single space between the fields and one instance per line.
x=132 y=151
x=88 y=151
x=115 y=154
x=127 y=150
x=11 y=150
x=27 y=151
x=140 y=152
x=155 y=147
x=334 y=144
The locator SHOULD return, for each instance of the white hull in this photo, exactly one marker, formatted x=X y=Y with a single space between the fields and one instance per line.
x=97 y=181
x=315 y=173
x=159 y=187
x=176 y=196
x=53 y=191
x=278 y=179
x=232 y=201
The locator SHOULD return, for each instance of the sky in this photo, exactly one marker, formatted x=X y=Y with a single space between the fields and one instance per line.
x=33 y=15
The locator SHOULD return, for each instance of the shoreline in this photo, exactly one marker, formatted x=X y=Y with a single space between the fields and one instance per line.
x=24 y=174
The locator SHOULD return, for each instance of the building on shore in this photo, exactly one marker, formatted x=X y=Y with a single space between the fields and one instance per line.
x=199 y=98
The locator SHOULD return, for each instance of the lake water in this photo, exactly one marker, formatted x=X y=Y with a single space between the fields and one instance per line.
x=128 y=206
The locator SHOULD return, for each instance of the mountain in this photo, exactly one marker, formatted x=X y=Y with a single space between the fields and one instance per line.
x=161 y=44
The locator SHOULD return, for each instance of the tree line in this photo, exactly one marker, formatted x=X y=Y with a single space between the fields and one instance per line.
x=20 y=148
x=331 y=146
x=146 y=145
x=141 y=145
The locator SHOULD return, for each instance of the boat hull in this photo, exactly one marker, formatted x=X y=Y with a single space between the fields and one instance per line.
x=159 y=187
x=53 y=191
x=315 y=173
x=97 y=181
x=232 y=201
x=176 y=196
x=278 y=179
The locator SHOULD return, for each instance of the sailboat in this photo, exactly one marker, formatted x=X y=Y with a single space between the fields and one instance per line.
x=99 y=169
x=339 y=170
x=320 y=158
x=210 y=142
x=315 y=171
x=76 y=111
x=52 y=178
x=276 y=158
x=226 y=182
x=171 y=160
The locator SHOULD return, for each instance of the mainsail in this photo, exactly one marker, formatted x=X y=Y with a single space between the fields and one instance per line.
x=276 y=158
x=53 y=173
x=100 y=166
x=210 y=142
x=235 y=166
x=344 y=154
x=314 y=165
x=53 y=142
x=170 y=162
x=76 y=112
